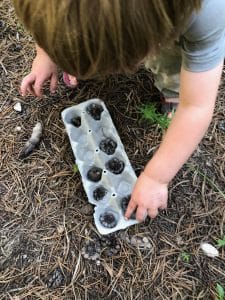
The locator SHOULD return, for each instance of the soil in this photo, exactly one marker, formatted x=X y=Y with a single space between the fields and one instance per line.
x=42 y=224
x=95 y=111
x=94 y=174
x=108 y=146
x=99 y=193
x=124 y=204
x=108 y=220
x=115 y=165
x=76 y=121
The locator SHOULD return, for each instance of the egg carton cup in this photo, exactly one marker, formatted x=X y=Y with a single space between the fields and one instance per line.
x=107 y=175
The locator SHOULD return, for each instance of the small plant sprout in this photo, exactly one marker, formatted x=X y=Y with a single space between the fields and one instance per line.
x=220 y=293
x=221 y=242
x=185 y=256
x=149 y=113
x=75 y=168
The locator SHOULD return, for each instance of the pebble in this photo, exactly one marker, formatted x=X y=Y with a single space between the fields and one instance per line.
x=18 y=107
x=18 y=128
x=209 y=250
x=221 y=125
x=141 y=242
x=145 y=240
x=60 y=229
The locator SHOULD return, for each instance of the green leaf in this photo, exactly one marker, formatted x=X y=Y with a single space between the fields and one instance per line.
x=220 y=291
x=149 y=113
x=220 y=242
x=75 y=168
x=185 y=256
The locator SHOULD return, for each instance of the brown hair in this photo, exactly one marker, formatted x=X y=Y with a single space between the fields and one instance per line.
x=89 y=38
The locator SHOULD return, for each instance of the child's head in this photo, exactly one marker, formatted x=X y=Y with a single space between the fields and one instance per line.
x=89 y=38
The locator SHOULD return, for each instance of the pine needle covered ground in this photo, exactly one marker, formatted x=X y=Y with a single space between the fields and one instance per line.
x=46 y=223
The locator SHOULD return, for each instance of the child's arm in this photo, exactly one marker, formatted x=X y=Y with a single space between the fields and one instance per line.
x=197 y=99
x=43 y=69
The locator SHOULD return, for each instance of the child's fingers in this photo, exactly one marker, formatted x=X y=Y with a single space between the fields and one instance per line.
x=130 y=209
x=30 y=89
x=141 y=213
x=163 y=206
x=153 y=212
x=26 y=83
x=38 y=87
x=53 y=83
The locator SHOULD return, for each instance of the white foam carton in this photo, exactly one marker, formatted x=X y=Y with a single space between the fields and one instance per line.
x=107 y=175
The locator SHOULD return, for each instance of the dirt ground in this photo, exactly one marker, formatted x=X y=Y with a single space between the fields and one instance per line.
x=46 y=223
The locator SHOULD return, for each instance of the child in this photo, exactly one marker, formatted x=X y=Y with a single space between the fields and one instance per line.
x=182 y=41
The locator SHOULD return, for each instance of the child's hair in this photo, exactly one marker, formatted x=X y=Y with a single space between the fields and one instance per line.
x=89 y=38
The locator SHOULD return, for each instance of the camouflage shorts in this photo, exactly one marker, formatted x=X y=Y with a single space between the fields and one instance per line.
x=166 y=69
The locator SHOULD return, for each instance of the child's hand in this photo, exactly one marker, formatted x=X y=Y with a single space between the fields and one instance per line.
x=147 y=198
x=43 y=69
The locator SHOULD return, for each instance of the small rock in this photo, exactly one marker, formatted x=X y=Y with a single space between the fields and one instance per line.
x=18 y=128
x=209 y=250
x=145 y=240
x=221 y=125
x=209 y=163
x=141 y=242
x=60 y=229
x=18 y=107
x=179 y=240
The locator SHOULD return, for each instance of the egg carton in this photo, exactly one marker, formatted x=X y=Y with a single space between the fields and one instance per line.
x=107 y=175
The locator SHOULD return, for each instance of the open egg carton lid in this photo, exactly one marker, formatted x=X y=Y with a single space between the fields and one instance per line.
x=107 y=175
